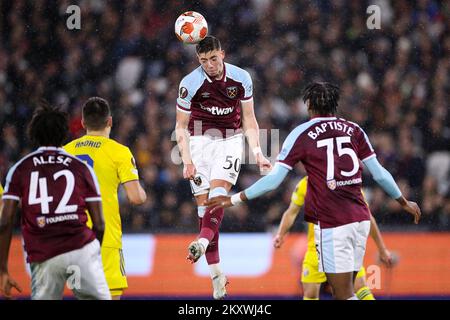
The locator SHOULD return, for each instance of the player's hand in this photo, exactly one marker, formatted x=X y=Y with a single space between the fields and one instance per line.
x=6 y=284
x=413 y=209
x=263 y=163
x=218 y=202
x=387 y=258
x=189 y=171
x=278 y=241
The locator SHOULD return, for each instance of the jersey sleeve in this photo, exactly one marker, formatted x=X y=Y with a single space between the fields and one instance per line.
x=365 y=150
x=127 y=168
x=298 y=196
x=13 y=188
x=290 y=152
x=248 y=87
x=185 y=95
x=92 y=187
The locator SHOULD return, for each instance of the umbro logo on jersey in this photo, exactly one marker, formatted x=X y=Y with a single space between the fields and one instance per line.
x=214 y=220
x=205 y=95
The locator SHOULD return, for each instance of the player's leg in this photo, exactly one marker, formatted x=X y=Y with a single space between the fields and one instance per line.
x=114 y=269
x=362 y=291
x=211 y=225
x=311 y=291
x=311 y=277
x=201 y=151
x=92 y=282
x=48 y=279
x=342 y=285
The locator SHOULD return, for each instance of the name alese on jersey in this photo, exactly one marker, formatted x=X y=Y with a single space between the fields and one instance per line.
x=50 y=159
x=333 y=125
x=217 y=111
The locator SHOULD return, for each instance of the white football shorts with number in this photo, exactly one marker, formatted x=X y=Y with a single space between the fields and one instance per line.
x=215 y=159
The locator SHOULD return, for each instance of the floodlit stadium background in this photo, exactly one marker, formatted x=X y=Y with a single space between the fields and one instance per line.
x=395 y=82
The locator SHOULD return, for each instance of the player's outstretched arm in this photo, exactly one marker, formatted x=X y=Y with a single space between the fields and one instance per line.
x=135 y=193
x=182 y=135
x=251 y=130
x=98 y=222
x=387 y=182
x=385 y=254
x=6 y=226
x=286 y=223
x=260 y=187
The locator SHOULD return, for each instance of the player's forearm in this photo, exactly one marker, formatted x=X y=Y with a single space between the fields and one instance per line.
x=383 y=178
x=376 y=234
x=286 y=222
x=183 y=145
x=265 y=184
x=251 y=131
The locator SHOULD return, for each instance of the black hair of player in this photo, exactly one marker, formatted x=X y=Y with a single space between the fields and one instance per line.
x=49 y=126
x=323 y=97
x=96 y=112
x=209 y=43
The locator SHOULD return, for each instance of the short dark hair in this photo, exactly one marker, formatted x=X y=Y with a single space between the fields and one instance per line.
x=95 y=113
x=49 y=126
x=323 y=97
x=208 y=44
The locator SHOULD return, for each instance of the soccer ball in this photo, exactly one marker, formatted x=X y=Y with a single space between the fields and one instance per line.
x=191 y=27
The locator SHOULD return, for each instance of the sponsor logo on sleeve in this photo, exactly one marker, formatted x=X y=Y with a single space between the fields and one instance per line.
x=183 y=92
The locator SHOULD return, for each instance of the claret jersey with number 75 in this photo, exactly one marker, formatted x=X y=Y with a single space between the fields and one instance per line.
x=332 y=151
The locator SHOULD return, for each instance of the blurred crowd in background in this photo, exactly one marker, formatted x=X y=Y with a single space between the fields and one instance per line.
x=395 y=83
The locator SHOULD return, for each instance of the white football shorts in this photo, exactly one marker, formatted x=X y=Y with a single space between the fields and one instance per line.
x=81 y=269
x=215 y=159
x=341 y=249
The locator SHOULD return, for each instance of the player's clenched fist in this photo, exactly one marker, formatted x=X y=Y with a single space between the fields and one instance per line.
x=6 y=284
x=278 y=241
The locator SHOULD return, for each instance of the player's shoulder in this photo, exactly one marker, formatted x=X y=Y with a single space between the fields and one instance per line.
x=23 y=162
x=237 y=73
x=194 y=79
x=353 y=124
x=303 y=127
x=71 y=145
x=115 y=149
x=115 y=146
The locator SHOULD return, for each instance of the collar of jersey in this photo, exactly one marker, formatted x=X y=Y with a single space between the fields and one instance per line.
x=49 y=148
x=224 y=76
x=323 y=118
